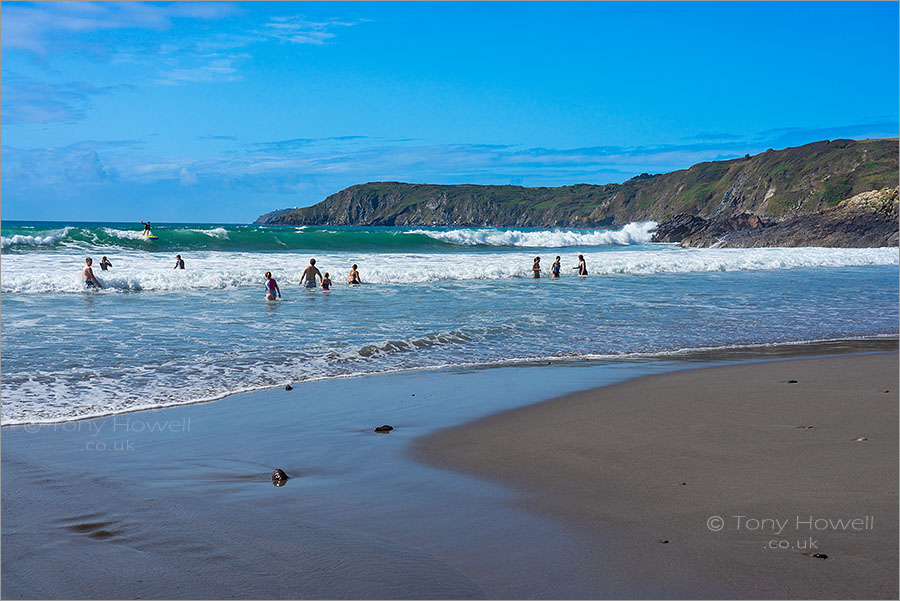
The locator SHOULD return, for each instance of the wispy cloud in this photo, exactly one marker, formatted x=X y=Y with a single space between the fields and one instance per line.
x=221 y=138
x=26 y=100
x=298 y=30
x=206 y=68
x=37 y=28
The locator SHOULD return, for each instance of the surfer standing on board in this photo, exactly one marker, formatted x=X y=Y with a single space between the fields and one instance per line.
x=146 y=228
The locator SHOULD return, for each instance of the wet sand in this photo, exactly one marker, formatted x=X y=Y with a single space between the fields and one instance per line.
x=177 y=503
x=715 y=482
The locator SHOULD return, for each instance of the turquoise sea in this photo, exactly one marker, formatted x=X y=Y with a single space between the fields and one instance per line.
x=432 y=297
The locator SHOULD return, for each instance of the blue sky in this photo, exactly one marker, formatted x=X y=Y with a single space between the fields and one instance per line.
x=219 y=112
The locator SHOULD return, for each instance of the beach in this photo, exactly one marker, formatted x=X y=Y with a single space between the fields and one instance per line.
x=566 y=498
x=717 y=482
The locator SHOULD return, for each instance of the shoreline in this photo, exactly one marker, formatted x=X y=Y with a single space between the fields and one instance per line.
x=747 y=352
x=644 y=465
x=187 y=510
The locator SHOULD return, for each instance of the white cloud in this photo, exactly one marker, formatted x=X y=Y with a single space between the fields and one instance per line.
x=32 y=27
x=298 y=30
x=213 y=68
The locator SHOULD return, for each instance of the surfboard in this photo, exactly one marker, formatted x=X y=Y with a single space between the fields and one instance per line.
x=152 y=237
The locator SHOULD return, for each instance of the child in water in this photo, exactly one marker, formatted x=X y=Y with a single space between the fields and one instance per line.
x=271 y=287
x=326 y=282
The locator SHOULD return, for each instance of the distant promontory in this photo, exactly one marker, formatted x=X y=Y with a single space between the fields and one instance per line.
x=798 y=191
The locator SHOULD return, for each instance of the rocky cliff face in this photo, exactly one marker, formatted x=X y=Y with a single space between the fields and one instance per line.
x=777 y=184
x=868 y=219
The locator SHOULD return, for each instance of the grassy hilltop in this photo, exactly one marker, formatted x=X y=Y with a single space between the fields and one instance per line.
x=776 y=184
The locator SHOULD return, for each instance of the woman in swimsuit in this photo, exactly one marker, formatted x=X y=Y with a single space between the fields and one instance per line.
x=554 y=269
x=271 y=287
x=536 y=268
x=582 y=266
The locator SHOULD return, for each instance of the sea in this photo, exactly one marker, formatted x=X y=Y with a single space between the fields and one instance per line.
x=431 y=298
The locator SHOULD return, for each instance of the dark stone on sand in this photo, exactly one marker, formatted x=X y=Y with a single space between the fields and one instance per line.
x=790 y=381
x=887 y=390
x=288 y=387
x=279 y=477
x=820 y=555
x=860 y=439
x=665 y=542
x=384 y=429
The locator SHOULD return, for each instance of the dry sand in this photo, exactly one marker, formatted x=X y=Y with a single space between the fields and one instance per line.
x=649 y=466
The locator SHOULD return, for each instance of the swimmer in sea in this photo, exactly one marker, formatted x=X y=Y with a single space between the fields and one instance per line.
x=326 y=282
x=104 y=263
x=87 y=274
x=353 y=278
x=308 y=279
x=582 y=266
x=271 y=287
x=554 y=269
x=179 y=262
x=536 y=268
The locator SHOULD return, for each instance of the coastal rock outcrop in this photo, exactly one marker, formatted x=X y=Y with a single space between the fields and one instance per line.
x=774 y=185
x=866 y=220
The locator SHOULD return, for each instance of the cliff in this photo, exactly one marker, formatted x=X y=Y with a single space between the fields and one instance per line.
x=774 y=185
x=868 y=220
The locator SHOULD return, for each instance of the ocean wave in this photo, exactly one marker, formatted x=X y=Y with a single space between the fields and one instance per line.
x=126 y=234
x=136 y=271
x=632 y=233
x=219 y=232
x=28 y=240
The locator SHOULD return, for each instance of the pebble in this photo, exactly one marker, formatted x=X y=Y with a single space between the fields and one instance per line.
x=279 y=477
x=288 y=387
x=665 y=542
x=384 y=429
x=790 y=381
x=860 y=439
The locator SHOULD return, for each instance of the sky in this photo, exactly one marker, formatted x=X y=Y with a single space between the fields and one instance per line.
x=220 y=112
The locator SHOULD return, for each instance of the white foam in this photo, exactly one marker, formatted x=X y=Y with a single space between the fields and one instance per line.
x=126 y=234
x=134 y=270
x=633 y=233
x=218 y=232
x=51 y=238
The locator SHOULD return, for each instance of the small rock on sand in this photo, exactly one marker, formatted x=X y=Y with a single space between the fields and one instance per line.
x=384 y=429
x=288 y=387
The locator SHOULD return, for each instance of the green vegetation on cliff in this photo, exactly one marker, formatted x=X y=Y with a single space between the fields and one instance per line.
x=776 y=184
